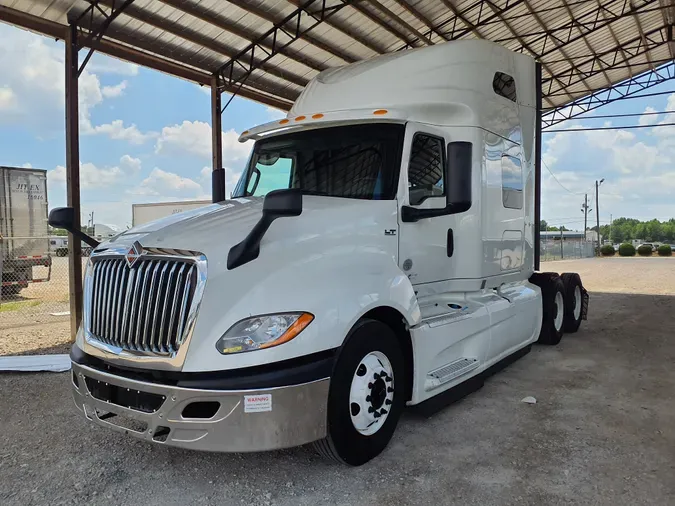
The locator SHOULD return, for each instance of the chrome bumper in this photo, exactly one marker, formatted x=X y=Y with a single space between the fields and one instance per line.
x=297 y=415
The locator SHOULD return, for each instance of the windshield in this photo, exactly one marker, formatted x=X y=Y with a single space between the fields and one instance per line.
x=356 y=161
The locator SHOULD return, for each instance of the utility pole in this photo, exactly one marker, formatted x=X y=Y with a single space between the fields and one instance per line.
x=597 y=209
x=610 y=229
x=585 y=209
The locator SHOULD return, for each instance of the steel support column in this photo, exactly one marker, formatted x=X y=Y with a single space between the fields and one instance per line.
x=537 y=169
x=73 y=178
x=218 y=174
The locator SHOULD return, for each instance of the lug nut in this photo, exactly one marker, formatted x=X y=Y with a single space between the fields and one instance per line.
x=371 y=409
x=390 y=390
x=388 y=379
x=376 y=376
x=367 y=398
x=377 y=415
x=370 y=385
x=383 y=374
x=383 y=412
x=387 y=402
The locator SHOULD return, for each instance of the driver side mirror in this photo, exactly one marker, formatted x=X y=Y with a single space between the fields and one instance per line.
x=458 y=181
x=277 y=204
x=64 y=217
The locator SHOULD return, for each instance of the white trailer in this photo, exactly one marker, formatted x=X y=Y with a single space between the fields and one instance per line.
x=24 y=238
x=144 y=213
x=378 y=252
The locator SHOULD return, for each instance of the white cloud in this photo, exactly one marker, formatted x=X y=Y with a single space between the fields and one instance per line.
x=160 y=182
x=114 y=91
x=648 y=118
x=7 y=98
x=91 y=176
x=116 y=130
x=101 y=64
x=194 y=137
x=133 y=164
x=37 y=82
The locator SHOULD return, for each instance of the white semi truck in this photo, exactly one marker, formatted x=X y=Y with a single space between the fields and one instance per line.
x=378 y=252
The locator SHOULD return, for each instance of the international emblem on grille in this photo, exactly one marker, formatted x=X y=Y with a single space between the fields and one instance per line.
x=134 y=253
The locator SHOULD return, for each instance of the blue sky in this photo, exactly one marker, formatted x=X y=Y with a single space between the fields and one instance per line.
x=145 y=137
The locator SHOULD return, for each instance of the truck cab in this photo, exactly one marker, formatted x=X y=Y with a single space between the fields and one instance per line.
x=377 y=252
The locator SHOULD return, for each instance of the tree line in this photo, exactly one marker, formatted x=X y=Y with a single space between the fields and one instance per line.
x=627 y=229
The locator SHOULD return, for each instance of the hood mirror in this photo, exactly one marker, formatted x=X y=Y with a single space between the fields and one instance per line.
x=277 y=204
x=64 y=218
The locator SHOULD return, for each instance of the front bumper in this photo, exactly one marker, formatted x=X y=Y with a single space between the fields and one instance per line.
x=290 y=416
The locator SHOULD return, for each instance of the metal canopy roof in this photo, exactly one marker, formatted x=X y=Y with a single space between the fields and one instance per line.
x=267 y=50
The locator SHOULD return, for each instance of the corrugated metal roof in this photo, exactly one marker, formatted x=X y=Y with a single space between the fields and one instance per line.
x=584 y=45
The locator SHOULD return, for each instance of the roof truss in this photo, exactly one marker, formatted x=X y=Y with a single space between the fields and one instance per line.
x=269 y=50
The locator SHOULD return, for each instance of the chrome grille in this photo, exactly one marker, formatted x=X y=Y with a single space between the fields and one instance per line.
x=142 y=308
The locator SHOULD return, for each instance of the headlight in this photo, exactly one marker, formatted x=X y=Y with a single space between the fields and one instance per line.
x=263 y=332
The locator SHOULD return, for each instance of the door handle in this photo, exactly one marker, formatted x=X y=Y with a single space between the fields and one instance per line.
x=450 y=243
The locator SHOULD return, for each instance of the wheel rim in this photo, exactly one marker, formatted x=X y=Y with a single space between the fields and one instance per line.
x=577 y=302
x=559 y=311
x=371 y=393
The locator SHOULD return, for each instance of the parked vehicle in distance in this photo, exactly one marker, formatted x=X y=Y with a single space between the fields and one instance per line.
x=378 y=252
x=652 y=246
x=24 y=241
x=59 y=246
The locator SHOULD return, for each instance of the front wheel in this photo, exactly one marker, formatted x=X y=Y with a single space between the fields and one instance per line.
x=366 y=395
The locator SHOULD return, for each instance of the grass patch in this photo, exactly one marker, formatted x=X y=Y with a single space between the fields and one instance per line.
x=18 y=305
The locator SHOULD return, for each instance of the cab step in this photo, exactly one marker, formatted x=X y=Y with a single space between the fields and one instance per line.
x=449 y=372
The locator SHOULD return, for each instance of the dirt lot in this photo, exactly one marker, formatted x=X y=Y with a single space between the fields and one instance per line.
x=602 y=431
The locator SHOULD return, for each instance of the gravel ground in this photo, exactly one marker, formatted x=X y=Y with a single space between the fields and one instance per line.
x=602 y=431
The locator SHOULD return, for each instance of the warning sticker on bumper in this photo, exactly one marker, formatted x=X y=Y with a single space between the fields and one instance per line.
x=257 y=403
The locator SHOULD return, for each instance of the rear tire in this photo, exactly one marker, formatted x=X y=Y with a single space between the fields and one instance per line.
x=553 y=305
x=363 y=406
x=574 y=293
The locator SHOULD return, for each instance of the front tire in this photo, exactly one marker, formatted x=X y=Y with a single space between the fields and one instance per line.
x=366 y=395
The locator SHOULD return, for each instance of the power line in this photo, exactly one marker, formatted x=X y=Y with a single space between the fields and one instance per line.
x=556 y=180
x=629 y=127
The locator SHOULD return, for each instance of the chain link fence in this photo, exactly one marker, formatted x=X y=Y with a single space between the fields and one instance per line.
x=34 y=301
x=566 y=250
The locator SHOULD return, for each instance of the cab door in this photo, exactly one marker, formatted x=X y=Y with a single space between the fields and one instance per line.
x=426 y=246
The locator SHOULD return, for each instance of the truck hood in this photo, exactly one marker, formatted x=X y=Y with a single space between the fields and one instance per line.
x=214 y=229
x=198 y=229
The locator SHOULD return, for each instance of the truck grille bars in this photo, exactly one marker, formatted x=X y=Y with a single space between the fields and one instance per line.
x=146 y=307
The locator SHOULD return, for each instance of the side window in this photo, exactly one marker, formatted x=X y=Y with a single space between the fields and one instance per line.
x=425 y=169
x=505 y=86
x=512 y=182
x=269 y=173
